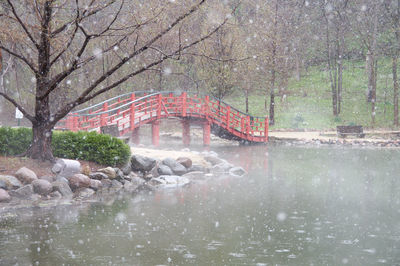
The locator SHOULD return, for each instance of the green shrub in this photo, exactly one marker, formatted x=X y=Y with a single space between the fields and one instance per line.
x=88 y=146
x=14 y=141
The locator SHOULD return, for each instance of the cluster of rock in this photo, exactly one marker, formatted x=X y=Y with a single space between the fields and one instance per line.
x=71 y=181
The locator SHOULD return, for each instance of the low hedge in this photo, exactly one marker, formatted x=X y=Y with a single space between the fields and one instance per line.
x=88 y=146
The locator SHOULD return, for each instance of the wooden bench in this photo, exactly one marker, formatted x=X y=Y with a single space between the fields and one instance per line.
x=344 y=131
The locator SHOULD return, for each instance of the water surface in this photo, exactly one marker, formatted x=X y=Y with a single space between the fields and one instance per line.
x=298 y=206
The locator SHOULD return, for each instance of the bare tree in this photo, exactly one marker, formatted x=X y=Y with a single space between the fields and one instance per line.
x=58 y=40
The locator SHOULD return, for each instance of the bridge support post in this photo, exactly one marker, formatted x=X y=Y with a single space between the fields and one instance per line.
x=206 y=133
x=135 y=136
x=155 y=130
x=186 y=132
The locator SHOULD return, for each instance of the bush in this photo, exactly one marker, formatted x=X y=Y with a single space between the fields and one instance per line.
x=14 y=141
x=88 y=146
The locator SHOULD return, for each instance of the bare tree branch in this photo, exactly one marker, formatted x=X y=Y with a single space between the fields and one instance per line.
x=21 y=57
x=22 y=24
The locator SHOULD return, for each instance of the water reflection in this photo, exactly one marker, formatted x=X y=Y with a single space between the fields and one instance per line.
x=298 y=206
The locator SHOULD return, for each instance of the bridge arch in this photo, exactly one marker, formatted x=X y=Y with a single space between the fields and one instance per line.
x=128 y=112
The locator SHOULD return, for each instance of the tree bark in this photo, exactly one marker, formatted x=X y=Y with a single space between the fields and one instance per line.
x=395 y=91
x=41 y=142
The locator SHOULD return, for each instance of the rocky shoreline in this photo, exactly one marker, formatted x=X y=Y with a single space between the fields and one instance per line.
x=72 y=183
x=383 y=143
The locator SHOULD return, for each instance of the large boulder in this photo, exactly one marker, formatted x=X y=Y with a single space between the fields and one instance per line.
x=79 y=181
x=63 y=188
x=24 y=192
x=10 y=182
x=176 y=167
x=25 y=175
x=42 y=187
x=109 y=171
x=187 y=162
x=66 y=168
x=142 y=163
x=4 y=196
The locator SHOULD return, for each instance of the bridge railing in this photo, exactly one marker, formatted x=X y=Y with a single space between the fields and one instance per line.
x=129 y=111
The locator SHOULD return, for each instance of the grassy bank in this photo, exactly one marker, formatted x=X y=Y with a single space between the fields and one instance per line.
x=307 y=104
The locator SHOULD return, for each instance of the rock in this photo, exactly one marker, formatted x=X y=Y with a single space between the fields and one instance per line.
x=119 y=174
x=237 y=171
x=161 y=169
x=157 y=181
x=24 y=192
x=187 y=162
x=136 y=180
x=174 y=180
x=198 y=168
x=63 y=188
x=106 y=183
x=214 y=160
x=42 y=187
x=95 y=184
x=176 y=167
x=98 y=176
x=109 y=171
x=79 y=181
x=116 y=185
x=55 y=195
x=84 y=193
x=66 y=168
x=4 y=196
x=130 y=187
x=25 y=175
x=48 y=178
x=85 y=169
x=127 y=169
x=10 y=182
x=3 y=184
x=195 y=175
x=222 y=167
x=62 y=179
x=142 y=163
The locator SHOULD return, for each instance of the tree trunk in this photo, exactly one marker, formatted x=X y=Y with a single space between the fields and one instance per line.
x=395 y=92
x=247 y=100
x=273 y=76
x=272 y=108
x=41 y=142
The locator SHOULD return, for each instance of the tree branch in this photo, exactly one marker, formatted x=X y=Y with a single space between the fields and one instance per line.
x=84 y=97
x=22 y=58
x=22 y=24
x=11 y=100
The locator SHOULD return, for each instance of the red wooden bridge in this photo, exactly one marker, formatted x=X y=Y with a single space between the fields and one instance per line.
x=127 y=112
